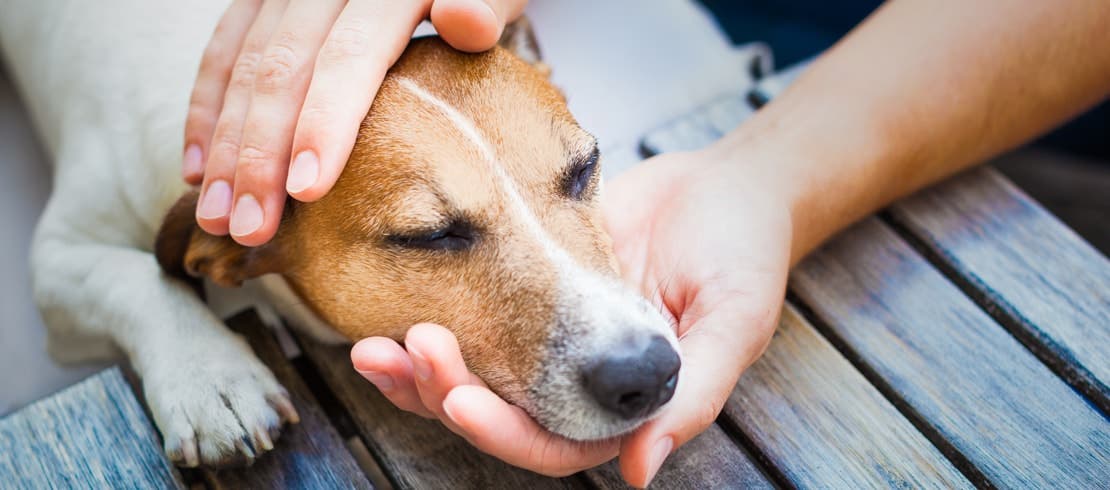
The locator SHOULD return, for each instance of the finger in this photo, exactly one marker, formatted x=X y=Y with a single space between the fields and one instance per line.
x=508 y=433
x=714 y=354
x=367 y=39
x=214 y=205
x=212 y=78
x=385 y=364
x=474 y=25
x=280 y=84
x=437 y=364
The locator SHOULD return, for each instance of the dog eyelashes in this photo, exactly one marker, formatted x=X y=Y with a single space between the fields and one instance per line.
x=580 y=176
x=456 y=236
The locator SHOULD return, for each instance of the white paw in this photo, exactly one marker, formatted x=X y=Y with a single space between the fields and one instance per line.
x=216 y=404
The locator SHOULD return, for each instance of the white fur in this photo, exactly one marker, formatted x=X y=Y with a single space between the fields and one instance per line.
x=594 y=312
x=289 y=306
x=107 y=84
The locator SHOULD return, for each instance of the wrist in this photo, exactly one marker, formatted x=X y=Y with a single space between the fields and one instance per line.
x=824 y=176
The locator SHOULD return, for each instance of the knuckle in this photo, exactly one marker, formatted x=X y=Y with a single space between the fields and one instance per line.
x=255 y=159
x=242 y=74
x=314 y=112
x=224 y=144
x=277 y=68
x=350 y=39
x=214 y=60
x=315 y=120
x=200 y=112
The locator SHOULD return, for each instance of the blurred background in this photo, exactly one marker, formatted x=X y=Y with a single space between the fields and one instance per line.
x=1069 y=171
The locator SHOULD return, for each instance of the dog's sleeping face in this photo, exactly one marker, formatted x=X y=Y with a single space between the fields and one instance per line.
x=471 y=201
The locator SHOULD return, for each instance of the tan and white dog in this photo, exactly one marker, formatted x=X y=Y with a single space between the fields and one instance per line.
x=470 y=200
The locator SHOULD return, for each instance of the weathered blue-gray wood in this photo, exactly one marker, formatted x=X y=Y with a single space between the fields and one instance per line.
x=820 y=422
x=91 y=435
x=806 y=409
x=995 y=409
x=308 y=455
x=711 y=460
x=1034 y=274
x=420 y=453
x=415 y=452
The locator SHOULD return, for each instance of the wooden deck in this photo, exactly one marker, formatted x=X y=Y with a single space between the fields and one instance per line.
x=959 y=339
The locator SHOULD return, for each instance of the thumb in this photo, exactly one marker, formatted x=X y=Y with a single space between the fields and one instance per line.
x=714 y=352
x=474 y=25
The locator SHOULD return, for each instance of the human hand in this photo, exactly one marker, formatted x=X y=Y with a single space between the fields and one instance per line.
x=429 y=378
x=699 y=234
x=708 y=237
x=283 y=87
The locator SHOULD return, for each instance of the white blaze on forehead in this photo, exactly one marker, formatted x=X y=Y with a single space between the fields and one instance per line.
x=595 y=312
x=466 y=126
x=600 y=304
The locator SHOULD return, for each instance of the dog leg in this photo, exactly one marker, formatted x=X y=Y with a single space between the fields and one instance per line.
x=214 y=401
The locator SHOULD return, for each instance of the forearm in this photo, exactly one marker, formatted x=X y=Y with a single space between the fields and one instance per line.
x=918 y=92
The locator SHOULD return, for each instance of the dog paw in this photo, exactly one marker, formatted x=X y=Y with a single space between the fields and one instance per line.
x=216 y=407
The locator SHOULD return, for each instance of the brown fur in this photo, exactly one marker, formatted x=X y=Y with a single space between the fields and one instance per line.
x=411 y=170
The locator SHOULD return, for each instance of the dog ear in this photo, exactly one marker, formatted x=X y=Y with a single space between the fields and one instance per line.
x=184 y=250
x=519 y=39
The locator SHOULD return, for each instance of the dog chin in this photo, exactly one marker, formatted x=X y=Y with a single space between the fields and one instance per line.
x=593 y=427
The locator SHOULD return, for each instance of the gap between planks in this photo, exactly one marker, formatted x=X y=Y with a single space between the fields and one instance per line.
x=1043 y=347
x=919 y=422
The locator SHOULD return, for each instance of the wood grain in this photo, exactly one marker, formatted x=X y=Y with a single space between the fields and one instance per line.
x=998 y=412
x=1036 y=276
x=419 y=453
x=91 y=435
x=820 y=422
x=415 y=452
x=310 y=454
x=711 y=460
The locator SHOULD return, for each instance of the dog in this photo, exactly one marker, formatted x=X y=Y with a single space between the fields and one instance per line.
x=470 y=200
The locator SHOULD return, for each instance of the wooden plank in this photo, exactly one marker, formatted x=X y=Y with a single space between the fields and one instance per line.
x=310 y=454
x=415 y=452
x=820 y=422
x=419 y=453
x=1036 y=276
x=807 y=410
x=91 y=435
x=711 y=460
x=802 y=405
x=1000 y=414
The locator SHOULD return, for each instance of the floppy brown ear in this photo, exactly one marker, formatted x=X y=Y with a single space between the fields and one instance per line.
x=520 y=40
x=184 y=250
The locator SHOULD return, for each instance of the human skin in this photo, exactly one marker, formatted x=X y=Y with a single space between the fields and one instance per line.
x=282 y=88
x=916 y=93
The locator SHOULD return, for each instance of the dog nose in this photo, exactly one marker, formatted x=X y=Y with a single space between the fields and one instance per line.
x=635 y=377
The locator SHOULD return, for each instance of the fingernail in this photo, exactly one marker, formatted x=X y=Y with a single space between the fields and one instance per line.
x=447 y=410
x=247 y=216
x=659 y=454
x=216 y=202
x=303 y=172
x=193 y=164
x=421 y=365
x=383 y=381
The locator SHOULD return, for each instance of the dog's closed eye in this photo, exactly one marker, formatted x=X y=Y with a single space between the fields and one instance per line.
x=578 y=179
x=456 y=236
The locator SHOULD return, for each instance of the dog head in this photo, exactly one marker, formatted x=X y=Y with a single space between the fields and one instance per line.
x=470 y=200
